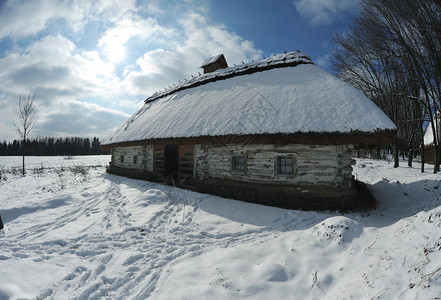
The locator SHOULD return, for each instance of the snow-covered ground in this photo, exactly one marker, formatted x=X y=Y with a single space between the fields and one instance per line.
x=73 y=231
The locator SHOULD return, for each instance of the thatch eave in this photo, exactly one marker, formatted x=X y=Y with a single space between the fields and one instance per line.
x=357 y=138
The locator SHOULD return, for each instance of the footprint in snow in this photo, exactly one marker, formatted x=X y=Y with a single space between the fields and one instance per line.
x=106 y=259
x=274 y=272
x=133 y=259
x=84 y=279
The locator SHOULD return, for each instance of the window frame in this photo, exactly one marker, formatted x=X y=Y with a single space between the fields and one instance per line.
x=281 y=165
x=235 y=163
x=135 y=159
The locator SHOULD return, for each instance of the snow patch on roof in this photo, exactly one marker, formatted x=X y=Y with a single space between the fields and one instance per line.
x=295 y=57
x=428 y=135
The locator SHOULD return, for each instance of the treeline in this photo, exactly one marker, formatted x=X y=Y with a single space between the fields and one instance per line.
x=50 y=146
x=392 y=53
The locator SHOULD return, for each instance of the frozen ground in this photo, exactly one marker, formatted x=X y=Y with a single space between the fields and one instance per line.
x=74 y=232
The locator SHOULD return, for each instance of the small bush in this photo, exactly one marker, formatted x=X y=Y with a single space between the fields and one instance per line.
x=38 y=170
x=16 y=170
x=61 y=178
x=79 y=169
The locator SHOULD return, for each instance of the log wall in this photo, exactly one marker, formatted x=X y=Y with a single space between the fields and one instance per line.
x=151 y=158
x=322 y=178
x=158 y=159
x=315 y=164
x=147 y=157
x=128 y=153
x=144 y=160
x=186 y=160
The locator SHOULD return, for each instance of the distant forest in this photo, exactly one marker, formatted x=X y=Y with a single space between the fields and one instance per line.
x=50 y=146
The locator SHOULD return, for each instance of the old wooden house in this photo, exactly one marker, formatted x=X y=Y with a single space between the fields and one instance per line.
x=277 y=131
x=429 y=145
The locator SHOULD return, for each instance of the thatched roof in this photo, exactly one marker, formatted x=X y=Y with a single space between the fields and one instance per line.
x=282 y=95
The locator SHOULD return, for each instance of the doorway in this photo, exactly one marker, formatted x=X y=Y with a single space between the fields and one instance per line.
x=171 y=161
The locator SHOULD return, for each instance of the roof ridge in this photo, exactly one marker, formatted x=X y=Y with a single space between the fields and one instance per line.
x=290 y=59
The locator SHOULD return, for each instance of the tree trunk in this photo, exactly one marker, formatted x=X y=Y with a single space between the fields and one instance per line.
x=24 y=153
x=410 y=157
x=422 y=149
x=396 y=155
x=439 y=157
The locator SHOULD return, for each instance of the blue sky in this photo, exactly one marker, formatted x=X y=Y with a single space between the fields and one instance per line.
x=90 y=64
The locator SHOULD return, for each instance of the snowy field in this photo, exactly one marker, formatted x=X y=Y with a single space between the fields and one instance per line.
x=74 y=232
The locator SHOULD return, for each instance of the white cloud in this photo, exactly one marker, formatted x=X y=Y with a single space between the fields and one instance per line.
x=199 y=40
x=22 y=18
x=88 y=119
x=8 y=113
x=54 y=62
x=65 y=118
x=57 y=72
x=323 y=12
x=79 y=91
x=324 y=61
x=131 y=25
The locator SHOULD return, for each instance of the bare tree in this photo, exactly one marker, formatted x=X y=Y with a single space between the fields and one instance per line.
x=27 y=120
x=392 y=53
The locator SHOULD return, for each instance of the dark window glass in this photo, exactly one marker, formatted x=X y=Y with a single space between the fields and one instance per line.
x=285 y=165
x=122 y=158
x=238 y=164
x=135 y=159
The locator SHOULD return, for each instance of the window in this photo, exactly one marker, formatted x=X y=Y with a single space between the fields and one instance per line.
x=121 y=158
x=135 y=159
x=285 y=165
x=238 y=164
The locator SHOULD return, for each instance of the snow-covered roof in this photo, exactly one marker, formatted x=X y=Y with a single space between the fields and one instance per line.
x=281 y=60
x=282 y=94
x=428 y=135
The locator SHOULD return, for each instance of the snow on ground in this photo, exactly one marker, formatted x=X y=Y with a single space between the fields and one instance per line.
x=74 y=232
